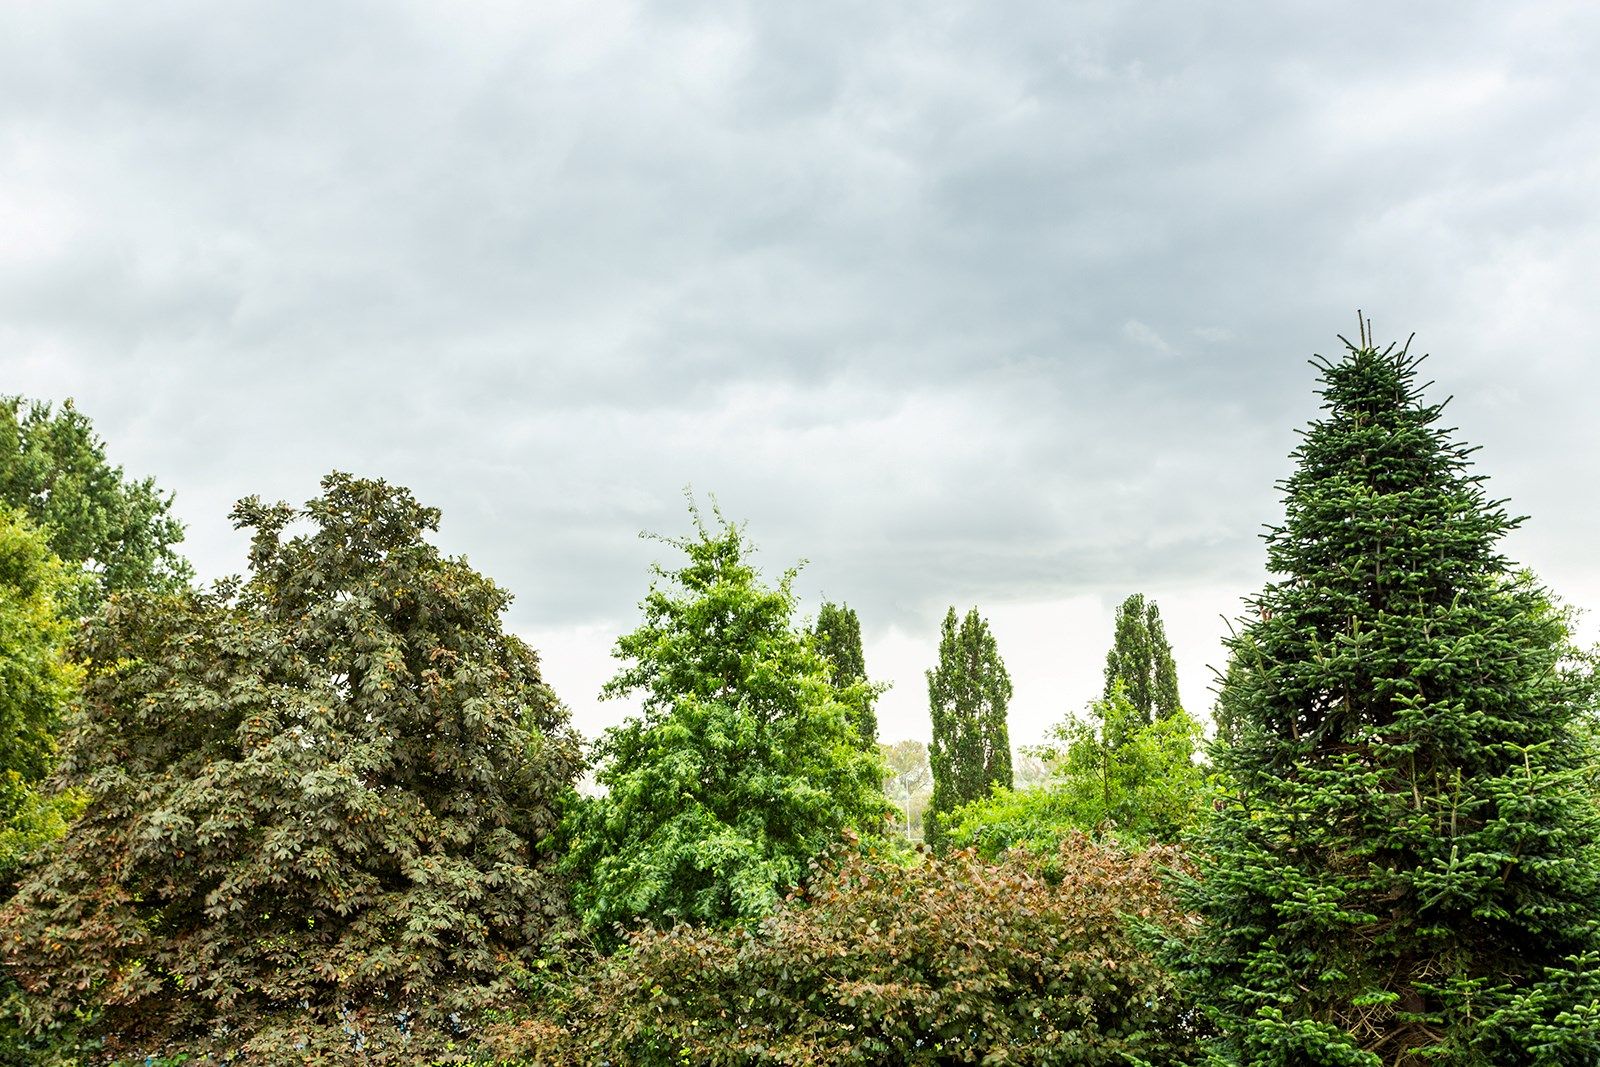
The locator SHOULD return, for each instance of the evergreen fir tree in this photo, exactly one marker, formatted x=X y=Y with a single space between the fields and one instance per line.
x=1407 y=866
x=1141 y=659
x=967 y=696
x=838 y=637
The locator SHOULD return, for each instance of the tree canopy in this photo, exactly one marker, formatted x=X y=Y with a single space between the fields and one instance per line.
x=743 y=763
x=121 y=531
x=1406 y=868
x=1140 y=660
x=968 y=694
x=838 y=637
x=316 y=800
x=38 y=680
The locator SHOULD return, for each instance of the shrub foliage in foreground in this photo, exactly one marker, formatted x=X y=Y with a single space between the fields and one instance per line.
x=313 y=805
x=949 y=961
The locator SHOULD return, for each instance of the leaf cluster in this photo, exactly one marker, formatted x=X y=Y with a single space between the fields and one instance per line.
x=949 y=961
x=315 y=801
x=120 y=531
x=743 y=764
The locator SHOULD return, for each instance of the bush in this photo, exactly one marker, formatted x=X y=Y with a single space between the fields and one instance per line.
x=948 y=961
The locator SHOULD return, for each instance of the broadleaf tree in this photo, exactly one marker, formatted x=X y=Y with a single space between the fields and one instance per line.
x=38 y=678
x=1115 y=776
x=969 y=692
x=1406 y=867
x=315 y=802
x=121 y=531
x=743 y=762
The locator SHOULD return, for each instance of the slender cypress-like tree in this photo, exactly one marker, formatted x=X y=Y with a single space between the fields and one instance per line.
x=1406 y=869
x=967 y=696
x=1142 y=658
x=838 y=637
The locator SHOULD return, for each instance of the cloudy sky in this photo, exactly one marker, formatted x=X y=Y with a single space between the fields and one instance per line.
x=1005 y=304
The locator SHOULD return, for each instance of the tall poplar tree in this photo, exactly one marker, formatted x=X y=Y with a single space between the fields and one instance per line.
x=838 y=637
x=1142 y=659
x=968 y=693
x=1406 y=868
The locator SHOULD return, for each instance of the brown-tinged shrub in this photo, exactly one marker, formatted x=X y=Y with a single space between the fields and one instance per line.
x=1022 y=961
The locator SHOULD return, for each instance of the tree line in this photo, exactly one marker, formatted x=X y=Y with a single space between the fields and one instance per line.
x=329 y=811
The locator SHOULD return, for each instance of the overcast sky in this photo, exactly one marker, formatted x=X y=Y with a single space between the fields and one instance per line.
x=1005 y=304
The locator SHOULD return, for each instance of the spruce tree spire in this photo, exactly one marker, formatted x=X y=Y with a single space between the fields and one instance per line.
x=1407 y=868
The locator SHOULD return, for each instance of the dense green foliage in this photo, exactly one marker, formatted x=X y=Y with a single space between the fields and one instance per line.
x=1125 y=769
x=37 y=679
x=53 y=468
x=1114 y=776
x=1407 y=866
x=744 y=763
x=315 y=801
x=1140 y=661
x=838 y=637
x=328 y=814
x=968 y=693
x=946 y=962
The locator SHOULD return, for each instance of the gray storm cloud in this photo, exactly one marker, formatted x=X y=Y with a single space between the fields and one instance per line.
x=961 y=302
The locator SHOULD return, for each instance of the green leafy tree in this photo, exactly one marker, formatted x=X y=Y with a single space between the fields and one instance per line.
x=1406 y=868
x=315 y=802
x=1115 y=776
x=838 y=637
x=37 y=682
x=968 y=693
x=53 y=468
x=1141 y=659
x=744 y=763
x=37 y=678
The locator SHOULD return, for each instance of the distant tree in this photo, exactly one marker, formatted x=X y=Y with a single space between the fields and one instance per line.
x=838 y=637
x=1406 y=869
x=315 y=803
x=1114 y=777
x=53 y=468
x=908 y=781
x=1141 y=659
x=968 y=693
x=744 y=763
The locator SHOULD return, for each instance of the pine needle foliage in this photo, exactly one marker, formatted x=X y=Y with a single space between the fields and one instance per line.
x=315 y=802
x=743 y=763
x=1406 y=869
x=968 y=694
